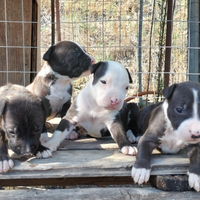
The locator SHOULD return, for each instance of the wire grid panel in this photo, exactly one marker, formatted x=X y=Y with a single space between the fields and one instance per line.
x=18 y=45
x=108 y=30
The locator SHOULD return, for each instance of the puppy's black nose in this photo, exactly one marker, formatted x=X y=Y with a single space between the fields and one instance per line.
x=26 y=150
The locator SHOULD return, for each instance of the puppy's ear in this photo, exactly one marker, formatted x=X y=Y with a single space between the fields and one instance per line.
x=47 y=54
x=3 y=102
x=167 y=92
x=94 y=67
x=129 y=75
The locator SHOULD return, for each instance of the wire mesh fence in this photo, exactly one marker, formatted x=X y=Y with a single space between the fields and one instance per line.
x=131 y=32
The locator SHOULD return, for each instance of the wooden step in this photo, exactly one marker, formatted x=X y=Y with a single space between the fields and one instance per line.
x=88 y=161
x=112 y=193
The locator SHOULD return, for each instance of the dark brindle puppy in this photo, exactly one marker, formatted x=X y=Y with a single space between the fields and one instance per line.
x=66 y=61
x=170 y=126
x=22 y=120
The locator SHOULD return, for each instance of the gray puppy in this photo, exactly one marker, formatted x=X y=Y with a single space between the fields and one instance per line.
x=22 y=121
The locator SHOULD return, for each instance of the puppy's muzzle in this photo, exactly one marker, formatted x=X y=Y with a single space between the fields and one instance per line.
x=115 y=101
x=27 y=150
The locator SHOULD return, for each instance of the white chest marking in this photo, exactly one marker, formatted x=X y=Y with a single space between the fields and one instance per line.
x=59 y=94
x=91 y=117
x=94 y=122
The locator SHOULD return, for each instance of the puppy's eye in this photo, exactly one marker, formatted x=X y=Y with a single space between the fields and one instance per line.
x=179 y=110
x=11 y=132
x=74 y=53
x=127 y=87
x=37 y=129
x=102 y=81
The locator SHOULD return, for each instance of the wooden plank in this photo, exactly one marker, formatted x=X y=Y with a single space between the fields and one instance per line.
x=170 y=182
x=2 y=9
x=89 y=144
x=91 y=163
x=27 y=5
x=86 y=161
x=34 y=40
x=113 y=193
x=14 y=38
x=3 y=78
x=68 y=181
x=16 y=58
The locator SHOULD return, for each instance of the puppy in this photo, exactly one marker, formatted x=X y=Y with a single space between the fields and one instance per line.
x=22 y=120
x=97 y=107
x=171 y=126
x=129 y=115
x=66 y=61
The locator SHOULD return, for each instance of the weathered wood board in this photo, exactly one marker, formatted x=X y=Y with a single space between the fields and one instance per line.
x=113 y=193
x=170 y=182
x=87 y=158
x=91 y=157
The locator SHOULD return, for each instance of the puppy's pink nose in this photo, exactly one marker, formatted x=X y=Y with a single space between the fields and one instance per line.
x=195 y=133
x=115 y=101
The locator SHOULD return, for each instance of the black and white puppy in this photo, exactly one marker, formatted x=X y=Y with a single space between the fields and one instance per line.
x=171 y=126
x=22 y=120
x=97 y=107
x=66 y=61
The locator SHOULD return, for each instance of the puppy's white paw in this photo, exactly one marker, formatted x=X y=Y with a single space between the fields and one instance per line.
x=44 y=154
x=51 y=144
x=44 y=138
x=130 y=136
x=6 y=165
x=72 y=136
x=194 y=181
x=129 y=150
x=140 y=175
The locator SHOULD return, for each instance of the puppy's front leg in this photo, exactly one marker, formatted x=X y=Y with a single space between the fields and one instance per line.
x=65 y=108
x=141 y=169
x=6 y=162
x=63 y=130
x=118 y=134
x=194 y=169
x=44 y=137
